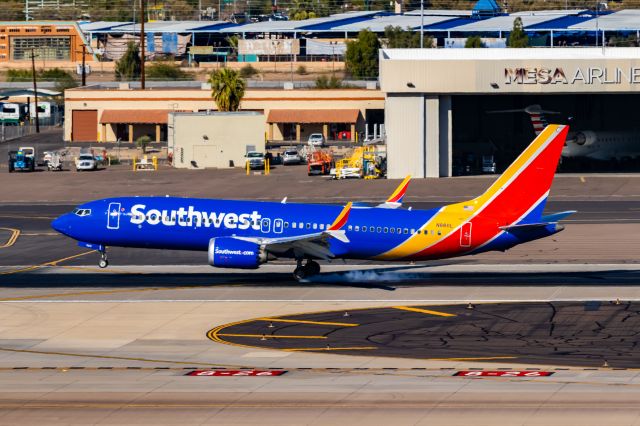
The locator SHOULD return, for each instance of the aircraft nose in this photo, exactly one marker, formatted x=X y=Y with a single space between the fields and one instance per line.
x=61 y=224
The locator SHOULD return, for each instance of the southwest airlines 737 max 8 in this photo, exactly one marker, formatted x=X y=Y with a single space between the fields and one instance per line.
x=245 y=234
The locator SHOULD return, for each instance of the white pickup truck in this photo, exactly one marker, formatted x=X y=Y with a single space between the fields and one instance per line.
x=86 y=162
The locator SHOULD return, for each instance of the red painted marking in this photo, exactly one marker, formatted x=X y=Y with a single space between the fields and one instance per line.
x=236 y=373
x=487 y=373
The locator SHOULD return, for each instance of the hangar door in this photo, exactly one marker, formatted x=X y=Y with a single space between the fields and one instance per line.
x=85 y=126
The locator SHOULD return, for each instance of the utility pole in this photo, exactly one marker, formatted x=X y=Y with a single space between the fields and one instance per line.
x=421 y=24
x=35 y=87
x=84 y=68
x=142 y=17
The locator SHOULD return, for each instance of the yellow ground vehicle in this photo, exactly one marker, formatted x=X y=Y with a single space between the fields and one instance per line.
x=362 y=163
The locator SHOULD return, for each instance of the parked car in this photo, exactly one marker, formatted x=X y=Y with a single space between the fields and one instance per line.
x=86 y=162
x=316 y=139
x=255 y=159
x=291 y=157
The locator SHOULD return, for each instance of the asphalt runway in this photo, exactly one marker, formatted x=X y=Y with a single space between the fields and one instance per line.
x=556 y=333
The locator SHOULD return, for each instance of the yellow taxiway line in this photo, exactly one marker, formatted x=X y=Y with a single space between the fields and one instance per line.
x=353 y=348
x=295 y=321
x=270 y=336
x=484 y=358
x=42 y=265
x=15 y=233
x=424 y=311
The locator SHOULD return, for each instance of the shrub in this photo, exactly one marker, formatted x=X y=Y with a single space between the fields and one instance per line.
x=324 y=82
x=166 y=70
x=301 y=70
x=248 y=71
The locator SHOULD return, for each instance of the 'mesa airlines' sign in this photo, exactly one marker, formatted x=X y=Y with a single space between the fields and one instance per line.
x=590 y=75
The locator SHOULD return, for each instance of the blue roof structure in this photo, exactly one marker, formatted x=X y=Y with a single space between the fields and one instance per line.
x=485 y=8
x=434 y=20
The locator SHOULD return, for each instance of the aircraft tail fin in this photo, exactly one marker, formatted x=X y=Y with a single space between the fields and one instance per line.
x=342 y=218
x=519 y=195
x=395 y=199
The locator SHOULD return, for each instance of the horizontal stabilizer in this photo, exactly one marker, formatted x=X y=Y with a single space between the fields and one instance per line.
x=555 y=217
x=530 y=226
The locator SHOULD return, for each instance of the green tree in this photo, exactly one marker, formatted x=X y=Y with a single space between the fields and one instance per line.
x=129 y=66
x=227 y=89
x=474 y=42
x=166 y=70
x=362 y=55
x=323 y=82
x=397 y=38
x=142 y=142
x=518 y=38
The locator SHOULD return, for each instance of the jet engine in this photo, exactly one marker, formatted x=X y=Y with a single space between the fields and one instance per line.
x=230 y=252
x=586 y=138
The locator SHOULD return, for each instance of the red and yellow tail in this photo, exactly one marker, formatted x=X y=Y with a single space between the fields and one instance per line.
x=516 y=196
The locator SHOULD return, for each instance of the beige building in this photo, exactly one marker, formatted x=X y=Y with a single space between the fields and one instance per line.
x=108 y=114
x=437 y=100
x=216 y=139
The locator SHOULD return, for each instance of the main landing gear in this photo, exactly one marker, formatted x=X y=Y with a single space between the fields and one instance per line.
x=103 y=262
x=308 y=269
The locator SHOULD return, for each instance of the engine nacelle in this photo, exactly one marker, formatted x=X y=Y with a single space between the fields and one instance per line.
x=229 y=252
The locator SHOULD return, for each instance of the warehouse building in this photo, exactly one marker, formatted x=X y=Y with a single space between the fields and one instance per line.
x=445 y=107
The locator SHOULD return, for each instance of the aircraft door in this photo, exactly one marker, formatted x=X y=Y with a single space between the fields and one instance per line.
x=278 y=226
x=465 y=235
x=265 y=225
x=113 y=216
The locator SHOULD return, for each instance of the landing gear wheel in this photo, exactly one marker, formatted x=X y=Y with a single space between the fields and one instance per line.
x=103 y=262
x=312 y=267
x=299 y=273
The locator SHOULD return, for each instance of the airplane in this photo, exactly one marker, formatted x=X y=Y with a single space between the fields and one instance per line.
x=594 y=144
x=245 y=234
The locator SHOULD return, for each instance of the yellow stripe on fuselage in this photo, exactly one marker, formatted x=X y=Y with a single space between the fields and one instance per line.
x=457 y=214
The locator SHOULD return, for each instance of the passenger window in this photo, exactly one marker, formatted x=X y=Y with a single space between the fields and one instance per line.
x=301 y=225
x=372 y=229
x=357 y=228
x=308 y=226
x=406 y=231
x=315 y=226
x=393 y=230
x=380 y=229
x=364 y=229
x=294 y=225
x=322 y=226
x=439 y=232
x=413 y=231
x=350 y=228
x=386 y=230
x=399 y=230
x=286 y=224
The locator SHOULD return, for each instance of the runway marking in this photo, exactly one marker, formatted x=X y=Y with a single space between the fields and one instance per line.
x=94 y=292
x=295 y=321
x=52 y=263
x=424 y=311
x=35 y=234
x=122 y=358
x=270 y=336
x=353 y=348
x=9 y=216
x=483 y=358
x=15 y=233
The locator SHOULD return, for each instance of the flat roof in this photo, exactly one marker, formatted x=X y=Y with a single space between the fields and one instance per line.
x=508 y=54
x=505 y=23
x=628 y=19
x=378 y=24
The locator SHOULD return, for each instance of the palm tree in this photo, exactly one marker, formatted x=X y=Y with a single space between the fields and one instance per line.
x=227 y=89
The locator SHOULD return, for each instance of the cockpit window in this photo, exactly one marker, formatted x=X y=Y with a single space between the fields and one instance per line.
x=82 y=212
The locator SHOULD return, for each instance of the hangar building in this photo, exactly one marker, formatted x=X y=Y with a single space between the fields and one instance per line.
x=446 y=106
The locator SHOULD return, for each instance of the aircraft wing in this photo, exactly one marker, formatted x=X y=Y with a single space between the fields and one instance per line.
x=315 y=244
x=395 y=200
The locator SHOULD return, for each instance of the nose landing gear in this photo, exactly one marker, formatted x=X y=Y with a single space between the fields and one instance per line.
x=103 y=262
x=308 y=269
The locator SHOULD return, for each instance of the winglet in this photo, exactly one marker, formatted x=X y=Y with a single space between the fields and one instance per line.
x=341 y=219
x=398 y=194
